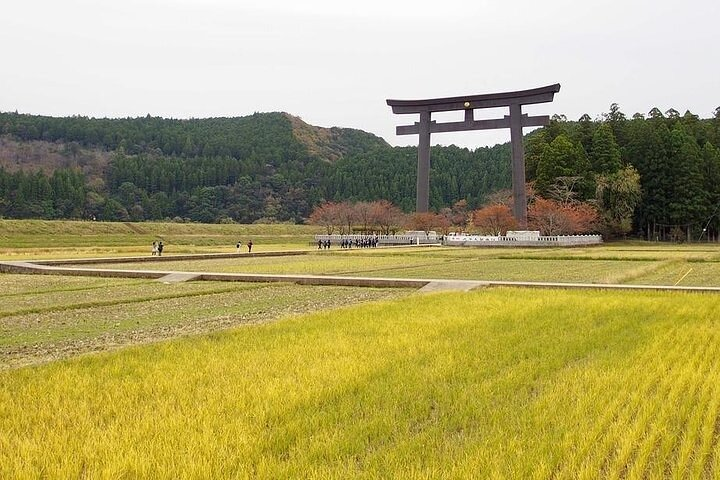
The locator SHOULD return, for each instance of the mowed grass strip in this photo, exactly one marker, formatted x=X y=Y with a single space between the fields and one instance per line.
x=18 y=285
x=605 y=265
x=693 y=273
x=498 y=383
x=325 y=263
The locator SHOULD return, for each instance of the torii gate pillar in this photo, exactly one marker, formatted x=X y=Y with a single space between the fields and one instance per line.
x=422 y=198
x=517 y=151
x=515 y=121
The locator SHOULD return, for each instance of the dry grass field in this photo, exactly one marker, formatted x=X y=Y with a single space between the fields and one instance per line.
x=34 y=239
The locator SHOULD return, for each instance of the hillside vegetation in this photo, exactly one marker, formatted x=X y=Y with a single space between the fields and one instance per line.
x=265 y=167
x=656 y=176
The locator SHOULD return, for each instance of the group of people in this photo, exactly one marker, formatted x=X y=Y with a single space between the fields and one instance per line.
x=157 y=248
x=364 y=242
x=238 y=246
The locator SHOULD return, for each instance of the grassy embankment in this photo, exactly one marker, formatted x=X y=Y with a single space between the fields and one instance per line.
x=501 y=383
x=26 y=239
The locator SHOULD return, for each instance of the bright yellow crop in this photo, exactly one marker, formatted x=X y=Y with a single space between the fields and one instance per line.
x=501 y=383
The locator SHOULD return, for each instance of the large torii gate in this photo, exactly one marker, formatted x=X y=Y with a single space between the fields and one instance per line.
x=515 y=121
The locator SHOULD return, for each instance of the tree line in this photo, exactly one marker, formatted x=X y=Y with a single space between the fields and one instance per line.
x=550 y=217
x=655 y=176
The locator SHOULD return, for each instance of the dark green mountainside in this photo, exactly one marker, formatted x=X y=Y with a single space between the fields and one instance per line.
x=263 y=167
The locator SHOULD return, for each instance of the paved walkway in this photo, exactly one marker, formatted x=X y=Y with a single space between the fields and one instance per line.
x=59 y=267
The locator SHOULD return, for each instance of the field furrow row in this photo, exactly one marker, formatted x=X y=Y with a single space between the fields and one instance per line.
x=619 y=408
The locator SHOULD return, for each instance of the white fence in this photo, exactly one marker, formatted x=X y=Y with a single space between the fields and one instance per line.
x=466 y=240
x=541 y=241
x=381 y=239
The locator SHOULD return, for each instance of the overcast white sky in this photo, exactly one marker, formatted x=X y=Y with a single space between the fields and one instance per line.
x=334 y=63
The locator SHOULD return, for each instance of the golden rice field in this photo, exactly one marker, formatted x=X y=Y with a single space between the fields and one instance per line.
x=495 y=383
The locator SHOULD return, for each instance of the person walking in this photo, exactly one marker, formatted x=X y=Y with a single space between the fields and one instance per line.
x=160 y=247
x=154 y=248
x=249 y=245
x=239 y=244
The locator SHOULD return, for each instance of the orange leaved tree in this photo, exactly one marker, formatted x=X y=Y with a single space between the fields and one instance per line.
x=555 y=218
x=326 y=215
x=494 y=219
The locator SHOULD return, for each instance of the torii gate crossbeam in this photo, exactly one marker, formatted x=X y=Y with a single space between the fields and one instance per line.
x=515 y=121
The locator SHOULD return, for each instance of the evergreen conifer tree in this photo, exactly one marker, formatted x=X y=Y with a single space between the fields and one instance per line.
x=604 y=152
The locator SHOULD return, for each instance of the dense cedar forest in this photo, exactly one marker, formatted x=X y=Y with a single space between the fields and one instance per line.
x=650 y=174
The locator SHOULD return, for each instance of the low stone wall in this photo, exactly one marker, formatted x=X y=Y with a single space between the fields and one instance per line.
x=542 y=241
x=470 y=240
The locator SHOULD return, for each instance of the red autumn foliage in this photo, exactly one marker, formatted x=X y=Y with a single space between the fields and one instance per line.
x=427 y=221
x=379 y=216
x=326 y=215
x=494 y=219
x=386 y=216
x=555 y=218
x=457 y=216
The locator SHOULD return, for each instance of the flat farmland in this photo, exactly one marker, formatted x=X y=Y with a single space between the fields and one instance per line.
x=496 y=383
x=45 y=318
x=127 y=378
x=650 y=266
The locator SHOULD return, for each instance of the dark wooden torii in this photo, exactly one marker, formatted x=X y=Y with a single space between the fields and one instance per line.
x=515 y=121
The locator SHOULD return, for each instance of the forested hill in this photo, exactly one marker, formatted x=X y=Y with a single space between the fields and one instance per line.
x=266 y=166
x=654 y=173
